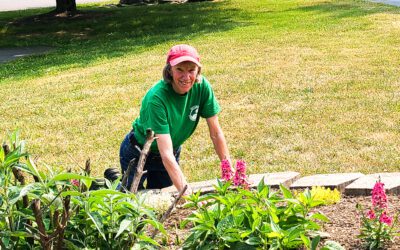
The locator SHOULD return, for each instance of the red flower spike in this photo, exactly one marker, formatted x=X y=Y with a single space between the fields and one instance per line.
x=226 y=170
x=379 y=198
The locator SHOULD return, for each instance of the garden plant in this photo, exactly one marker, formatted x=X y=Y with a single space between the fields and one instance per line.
x=378 y=227
x=59 y=210
x=252 y=219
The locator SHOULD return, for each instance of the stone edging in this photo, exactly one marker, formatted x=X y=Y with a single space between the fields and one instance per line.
x=354 y=184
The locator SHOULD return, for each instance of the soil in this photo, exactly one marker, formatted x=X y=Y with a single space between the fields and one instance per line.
x=343 y=227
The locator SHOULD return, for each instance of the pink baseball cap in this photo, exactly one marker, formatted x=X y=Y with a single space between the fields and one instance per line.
x=182 y=53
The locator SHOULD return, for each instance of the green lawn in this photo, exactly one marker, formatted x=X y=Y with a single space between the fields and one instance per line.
x=307 y=86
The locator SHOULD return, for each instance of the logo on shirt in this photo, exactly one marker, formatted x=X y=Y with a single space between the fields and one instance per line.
x=193 y=112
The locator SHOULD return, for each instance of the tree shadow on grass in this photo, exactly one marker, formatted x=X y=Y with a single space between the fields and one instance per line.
x=109 y=33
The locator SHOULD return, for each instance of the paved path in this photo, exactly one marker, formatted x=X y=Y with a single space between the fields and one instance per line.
x=390 y=2
x=8 y=54
x=8 y=5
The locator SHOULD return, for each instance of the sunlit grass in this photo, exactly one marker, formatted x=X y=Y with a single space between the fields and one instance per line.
x=308 y=86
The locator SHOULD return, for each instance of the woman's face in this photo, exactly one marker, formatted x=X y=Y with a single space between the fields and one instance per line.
x=184 y=76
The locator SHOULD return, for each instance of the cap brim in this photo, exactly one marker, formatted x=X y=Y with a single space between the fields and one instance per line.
x=184 y=59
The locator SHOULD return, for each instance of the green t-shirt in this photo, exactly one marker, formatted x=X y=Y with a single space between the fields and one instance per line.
x=167 y=112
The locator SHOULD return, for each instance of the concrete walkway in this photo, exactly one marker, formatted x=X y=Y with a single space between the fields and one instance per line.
x=9 y=5
x=390 y=2
x=8 y=54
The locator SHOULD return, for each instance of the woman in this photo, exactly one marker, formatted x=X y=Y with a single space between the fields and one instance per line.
x=172 y=109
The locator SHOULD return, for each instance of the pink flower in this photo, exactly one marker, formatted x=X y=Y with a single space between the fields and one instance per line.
x=75 y=183
x=226 y=169
x=371 y=214
x=384 y=218
x=379 y=198
x=240 y=178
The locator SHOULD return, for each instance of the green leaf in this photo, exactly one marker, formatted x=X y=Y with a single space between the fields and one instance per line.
x=320 y=217
x=19 y=234
x=72 y=193
x=70 y=245
x=33 y=169
x=148 y=239
x=295 y=232
x=305 y=239
x=14 y=137
x=315 y=242
x=286 y=192
x=253 y=241
x=25 y=213
x=46 y=223
x=274 y=235
x=224 y=224
x=275 y=227
x=103 y=192
x=12 y=158
x=256 y=223
x=13 y=194
x=24 y=191
x=115 y=183
x=97 y=220
x=124 y=225
x=261 y=185
x=245 y=234
x=242 y=246
x=156 y=225
x=2 y=155
x=6 y=240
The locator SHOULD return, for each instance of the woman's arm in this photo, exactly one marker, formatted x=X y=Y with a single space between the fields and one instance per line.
x=165 y=147
x=218 y=138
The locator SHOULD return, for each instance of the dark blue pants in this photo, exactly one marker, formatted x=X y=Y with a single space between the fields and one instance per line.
x=157 y=176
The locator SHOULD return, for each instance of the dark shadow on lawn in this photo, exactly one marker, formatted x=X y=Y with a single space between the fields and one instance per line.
x=349 y=9
x=108 y=33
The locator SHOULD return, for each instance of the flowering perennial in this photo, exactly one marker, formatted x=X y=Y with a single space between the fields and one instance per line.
x=377 y=226
x=75 y=183
x=239 y=178
x=226 y=169
x=379 y=198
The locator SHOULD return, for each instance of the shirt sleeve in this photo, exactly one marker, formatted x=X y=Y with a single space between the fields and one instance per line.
x=209 y=104
x=156 y=118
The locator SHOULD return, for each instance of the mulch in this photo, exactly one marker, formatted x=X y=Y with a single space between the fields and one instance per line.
x=345 y=220
x=343 y=227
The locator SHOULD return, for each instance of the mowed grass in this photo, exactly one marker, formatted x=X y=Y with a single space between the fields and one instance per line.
x=307 y=86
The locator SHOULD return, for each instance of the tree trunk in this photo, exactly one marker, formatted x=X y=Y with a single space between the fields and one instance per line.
x=65 y=6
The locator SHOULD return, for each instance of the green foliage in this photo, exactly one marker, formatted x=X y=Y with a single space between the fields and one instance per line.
x=374 y=232
x=243 y=219
x=101 y=219
x=12 y=218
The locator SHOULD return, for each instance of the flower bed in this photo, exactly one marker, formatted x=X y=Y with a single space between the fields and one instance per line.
x=59 y=210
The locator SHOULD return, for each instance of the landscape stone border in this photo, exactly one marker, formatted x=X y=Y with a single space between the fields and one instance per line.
x=364 y=185
x=332 y=181
x=353 y=184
